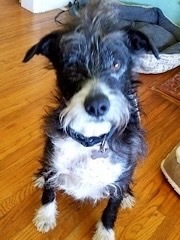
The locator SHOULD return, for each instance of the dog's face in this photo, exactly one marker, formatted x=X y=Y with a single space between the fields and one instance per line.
x=94 y=71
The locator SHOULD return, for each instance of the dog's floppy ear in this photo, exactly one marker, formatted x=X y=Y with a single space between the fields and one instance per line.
x=138 y=42
x=46 y=46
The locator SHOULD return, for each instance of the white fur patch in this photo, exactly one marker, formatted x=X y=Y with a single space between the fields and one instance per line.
x=45 y=217
x=39 y=182
x=81 y=176
x=128 y=201
x=103 y=234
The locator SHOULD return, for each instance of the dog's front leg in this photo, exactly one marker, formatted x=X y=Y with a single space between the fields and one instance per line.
x=104 y=229
x=45 y=217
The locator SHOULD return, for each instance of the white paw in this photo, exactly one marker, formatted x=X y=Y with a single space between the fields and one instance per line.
x=103 y=234
x=39 y=181
x=45 y=218
x=128 y=201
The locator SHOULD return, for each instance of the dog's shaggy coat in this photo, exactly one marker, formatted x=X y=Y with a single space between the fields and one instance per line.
x=94 y=137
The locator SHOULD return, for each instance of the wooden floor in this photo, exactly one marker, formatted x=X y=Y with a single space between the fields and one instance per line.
x=25 y=89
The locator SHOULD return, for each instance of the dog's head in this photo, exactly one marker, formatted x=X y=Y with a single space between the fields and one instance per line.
x=94 y=60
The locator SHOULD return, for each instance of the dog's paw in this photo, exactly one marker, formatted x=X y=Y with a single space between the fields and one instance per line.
x=103 y=234
x=45 y=218
x=39 y=181
x=128 y=201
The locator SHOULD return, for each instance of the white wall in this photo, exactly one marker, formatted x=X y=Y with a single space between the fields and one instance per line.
x=37 y=6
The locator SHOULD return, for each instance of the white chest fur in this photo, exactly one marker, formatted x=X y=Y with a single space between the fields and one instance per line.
x=78 y=174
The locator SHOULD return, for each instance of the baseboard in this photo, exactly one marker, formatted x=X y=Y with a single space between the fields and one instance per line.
x=38 y=6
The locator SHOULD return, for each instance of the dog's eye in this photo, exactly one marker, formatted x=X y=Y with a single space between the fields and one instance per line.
x=116 y=66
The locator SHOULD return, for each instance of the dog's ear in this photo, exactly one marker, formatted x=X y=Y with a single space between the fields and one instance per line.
x=46 y=46
x=139 y=42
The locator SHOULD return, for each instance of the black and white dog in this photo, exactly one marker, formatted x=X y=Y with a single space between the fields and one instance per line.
x=94 y=137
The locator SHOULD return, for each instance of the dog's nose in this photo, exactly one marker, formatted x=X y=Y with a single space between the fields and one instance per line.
x=97 y=105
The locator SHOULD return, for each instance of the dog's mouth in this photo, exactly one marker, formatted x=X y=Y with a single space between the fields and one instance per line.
x=83 y=124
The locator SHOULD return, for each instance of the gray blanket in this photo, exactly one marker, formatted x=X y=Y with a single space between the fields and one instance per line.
x=151 y=21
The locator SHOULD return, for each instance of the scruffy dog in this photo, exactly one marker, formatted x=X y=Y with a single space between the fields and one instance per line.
x=94 y=137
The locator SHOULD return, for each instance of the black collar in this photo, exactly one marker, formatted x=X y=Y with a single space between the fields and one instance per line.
x=89 y=141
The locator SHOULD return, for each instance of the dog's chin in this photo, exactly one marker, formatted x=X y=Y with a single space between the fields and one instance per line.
x=90 y=129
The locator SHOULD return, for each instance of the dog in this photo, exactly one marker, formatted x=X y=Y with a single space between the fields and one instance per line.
x=94 y=137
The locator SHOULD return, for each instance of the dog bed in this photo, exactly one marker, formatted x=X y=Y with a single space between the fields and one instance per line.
x=161 y=31
x=170 y=167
